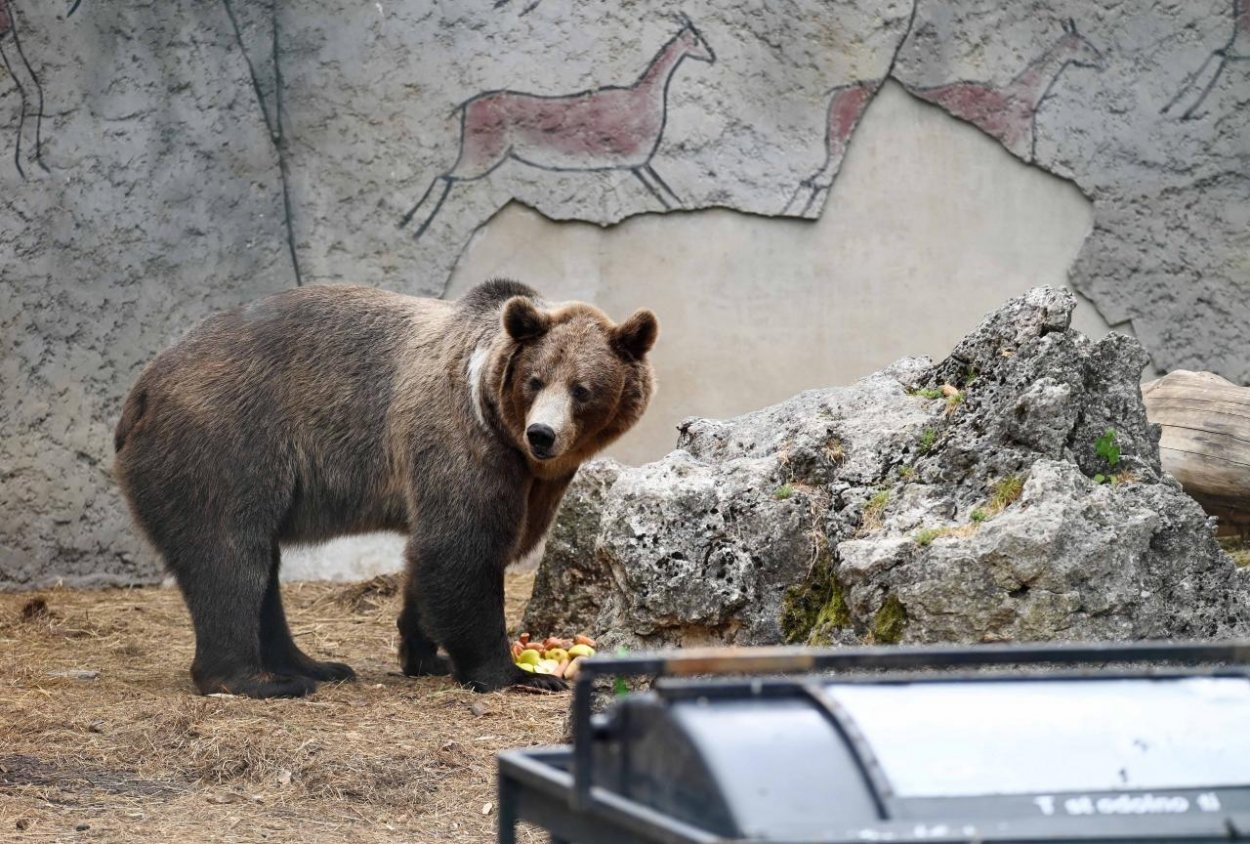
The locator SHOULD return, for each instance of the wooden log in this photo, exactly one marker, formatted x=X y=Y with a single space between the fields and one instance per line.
x=1206 y=439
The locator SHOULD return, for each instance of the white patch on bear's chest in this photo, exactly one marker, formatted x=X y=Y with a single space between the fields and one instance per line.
x=476 y=374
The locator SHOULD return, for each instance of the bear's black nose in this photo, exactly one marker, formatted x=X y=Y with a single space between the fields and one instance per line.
x=541 y=438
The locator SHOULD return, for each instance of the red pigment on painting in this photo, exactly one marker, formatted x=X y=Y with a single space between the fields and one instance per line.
x=1008 y=113
x=604 y=128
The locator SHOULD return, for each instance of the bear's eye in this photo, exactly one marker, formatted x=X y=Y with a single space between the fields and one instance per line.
x=535 y=384
x=581 y=394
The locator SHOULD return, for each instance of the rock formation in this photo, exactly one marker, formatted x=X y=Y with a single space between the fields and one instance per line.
x=1012 y=491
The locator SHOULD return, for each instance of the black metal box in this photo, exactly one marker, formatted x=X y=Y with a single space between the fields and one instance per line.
x=870 y=754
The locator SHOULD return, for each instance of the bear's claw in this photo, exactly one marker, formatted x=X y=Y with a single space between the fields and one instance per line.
x=329 y=672
x=426 y=666
x=260 y=685
x=545 y=682
x=512 y=676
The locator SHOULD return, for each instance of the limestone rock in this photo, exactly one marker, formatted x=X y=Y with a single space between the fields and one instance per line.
x=572 y=578
x=979 y=499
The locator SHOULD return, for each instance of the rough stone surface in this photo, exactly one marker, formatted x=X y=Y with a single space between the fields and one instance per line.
x=573 y=572
x=192 y=156
x=891 y=512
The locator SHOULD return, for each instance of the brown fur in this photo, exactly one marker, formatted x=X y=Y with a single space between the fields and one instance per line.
x=326 y=411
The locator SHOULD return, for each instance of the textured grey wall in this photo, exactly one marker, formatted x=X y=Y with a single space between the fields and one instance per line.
x=161 y=204
x=191 y=166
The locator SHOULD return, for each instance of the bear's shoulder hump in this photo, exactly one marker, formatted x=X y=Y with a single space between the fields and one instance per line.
x=489 y=295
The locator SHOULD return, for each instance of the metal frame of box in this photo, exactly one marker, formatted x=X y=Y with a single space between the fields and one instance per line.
x=552 y=786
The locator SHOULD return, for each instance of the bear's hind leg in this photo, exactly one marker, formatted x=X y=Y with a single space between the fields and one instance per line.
x=224 y=589
x=418 y=653
x=278 y=651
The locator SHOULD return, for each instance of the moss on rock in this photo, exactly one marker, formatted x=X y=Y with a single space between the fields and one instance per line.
x=889 y=622
x=812 y=610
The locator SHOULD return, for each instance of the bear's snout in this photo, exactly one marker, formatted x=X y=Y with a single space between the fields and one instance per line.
x=550 y=428
x=541 y=439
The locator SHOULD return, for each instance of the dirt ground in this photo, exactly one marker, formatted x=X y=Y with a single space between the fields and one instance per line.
x=131 y=753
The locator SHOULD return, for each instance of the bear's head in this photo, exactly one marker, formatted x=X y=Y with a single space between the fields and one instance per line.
x=571 y=380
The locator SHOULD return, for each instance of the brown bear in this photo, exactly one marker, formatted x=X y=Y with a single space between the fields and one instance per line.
x=325 y=411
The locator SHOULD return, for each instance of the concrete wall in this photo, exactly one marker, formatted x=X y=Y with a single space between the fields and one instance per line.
x=930 y=225
x=179 y=158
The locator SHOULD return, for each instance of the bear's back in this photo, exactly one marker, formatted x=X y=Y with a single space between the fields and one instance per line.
x=304 y=365
x=283 y=335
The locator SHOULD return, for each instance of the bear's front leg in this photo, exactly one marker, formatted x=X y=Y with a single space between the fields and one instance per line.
x=456 y=558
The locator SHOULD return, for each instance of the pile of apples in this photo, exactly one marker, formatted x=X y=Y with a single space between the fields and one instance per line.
x=561 y=657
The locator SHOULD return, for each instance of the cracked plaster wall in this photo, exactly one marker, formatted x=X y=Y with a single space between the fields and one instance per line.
x=178 y=142
x=929 y=226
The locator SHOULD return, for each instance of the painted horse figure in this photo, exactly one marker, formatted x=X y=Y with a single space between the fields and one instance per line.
x=1009 y=113
x=846 y=106
x=609 y=128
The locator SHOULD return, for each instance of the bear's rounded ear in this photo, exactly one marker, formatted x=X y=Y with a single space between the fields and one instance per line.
x=523 y=321
x=636 y=335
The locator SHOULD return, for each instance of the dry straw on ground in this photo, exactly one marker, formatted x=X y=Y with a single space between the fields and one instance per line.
x=132 y=754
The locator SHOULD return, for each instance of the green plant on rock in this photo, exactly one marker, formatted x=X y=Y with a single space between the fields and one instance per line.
x=1108 y=448
x=927 y=392
x=833 y=616
x=926 y=535
x=927 y=439
x=619 y=687
x=870 y=520
x=783 y=492
x=979 y=515
x=889 y=622
x=811 y=611
x=1006 y=492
